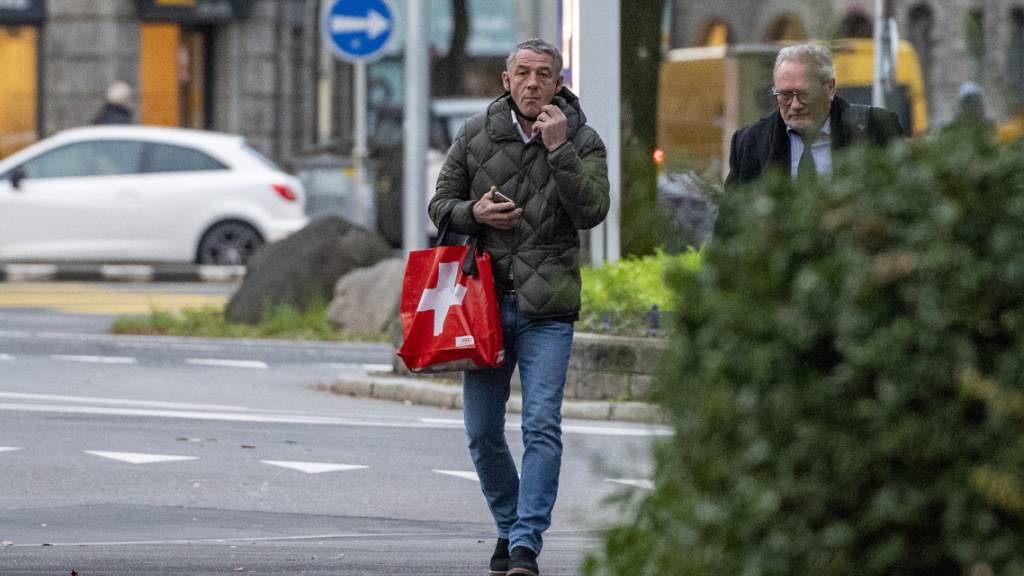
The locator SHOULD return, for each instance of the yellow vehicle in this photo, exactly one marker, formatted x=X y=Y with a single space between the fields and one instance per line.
x=705 y=94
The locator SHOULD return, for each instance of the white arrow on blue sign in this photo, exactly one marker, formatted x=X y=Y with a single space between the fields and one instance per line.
x=358 y=29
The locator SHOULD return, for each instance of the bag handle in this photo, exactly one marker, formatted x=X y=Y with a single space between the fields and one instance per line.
x=445 y=237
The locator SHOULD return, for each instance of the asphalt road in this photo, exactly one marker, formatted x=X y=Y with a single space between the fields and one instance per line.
x=123 y=455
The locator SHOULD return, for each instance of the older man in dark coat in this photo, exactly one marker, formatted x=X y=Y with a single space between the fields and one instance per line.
x=810 y=124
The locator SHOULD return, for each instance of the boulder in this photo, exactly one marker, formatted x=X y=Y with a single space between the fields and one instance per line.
x=366 y=300
x=303 y=267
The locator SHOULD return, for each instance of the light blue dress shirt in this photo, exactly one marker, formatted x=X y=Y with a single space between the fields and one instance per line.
x=821 y=150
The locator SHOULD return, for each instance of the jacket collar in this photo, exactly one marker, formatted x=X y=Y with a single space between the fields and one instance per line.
x=499 y=116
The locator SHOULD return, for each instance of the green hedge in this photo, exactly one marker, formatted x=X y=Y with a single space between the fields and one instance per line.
x=625 y=291
x=847 y=378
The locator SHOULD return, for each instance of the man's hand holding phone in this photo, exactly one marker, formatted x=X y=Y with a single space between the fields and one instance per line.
x=496 y=210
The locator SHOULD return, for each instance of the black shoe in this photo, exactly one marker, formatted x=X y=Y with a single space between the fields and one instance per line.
x=523 y=562
x=499 y=560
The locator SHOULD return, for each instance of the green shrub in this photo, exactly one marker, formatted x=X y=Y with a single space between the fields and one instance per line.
x=283 y=322
x=846 y=382
x=625 y=290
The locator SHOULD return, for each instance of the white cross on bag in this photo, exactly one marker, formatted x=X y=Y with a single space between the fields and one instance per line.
x=447 y=294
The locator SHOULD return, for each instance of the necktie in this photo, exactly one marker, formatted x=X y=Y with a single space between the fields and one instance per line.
x=806 y=169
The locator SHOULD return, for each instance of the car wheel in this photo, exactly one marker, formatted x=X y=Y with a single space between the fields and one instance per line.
x=229 y=243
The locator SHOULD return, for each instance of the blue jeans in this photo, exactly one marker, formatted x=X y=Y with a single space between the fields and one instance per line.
x=521 y=506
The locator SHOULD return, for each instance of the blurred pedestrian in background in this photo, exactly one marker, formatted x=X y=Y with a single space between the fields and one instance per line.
x=971 y=115
x=811 y=121
x=118 y=106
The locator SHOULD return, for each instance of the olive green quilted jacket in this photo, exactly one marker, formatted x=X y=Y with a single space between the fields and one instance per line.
x=560 y=192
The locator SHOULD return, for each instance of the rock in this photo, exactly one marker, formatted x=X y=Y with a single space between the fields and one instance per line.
x=303 y=267
x=366 y=300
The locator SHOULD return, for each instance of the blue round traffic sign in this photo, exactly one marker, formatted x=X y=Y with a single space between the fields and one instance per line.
x=358 y=29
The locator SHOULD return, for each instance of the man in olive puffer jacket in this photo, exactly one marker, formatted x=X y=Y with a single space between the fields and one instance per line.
x=534 y=147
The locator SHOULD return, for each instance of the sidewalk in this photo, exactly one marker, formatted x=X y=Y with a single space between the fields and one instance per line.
x=76 y=272
x=417 y=391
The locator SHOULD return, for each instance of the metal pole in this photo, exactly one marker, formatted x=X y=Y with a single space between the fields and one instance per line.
x=877 y=90
x=325 y=94
x=360 y=151
x=414 y=124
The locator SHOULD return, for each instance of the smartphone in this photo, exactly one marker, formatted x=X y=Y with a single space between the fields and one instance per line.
x=501 y=197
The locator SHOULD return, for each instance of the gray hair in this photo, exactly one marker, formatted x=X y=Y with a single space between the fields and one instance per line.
x=539 y=46
x=816 y=57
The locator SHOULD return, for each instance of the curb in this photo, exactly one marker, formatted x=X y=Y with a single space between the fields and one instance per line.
x=119 y=273
x=450 y=396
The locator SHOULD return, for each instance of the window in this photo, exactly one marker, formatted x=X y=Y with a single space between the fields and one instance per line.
x=714 y=33
x=857 y=25
x=170 y=158
x=786 y=28
x=98 y=158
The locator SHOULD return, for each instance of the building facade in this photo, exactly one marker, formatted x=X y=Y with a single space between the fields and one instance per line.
x=957 y=41
x=258 y=68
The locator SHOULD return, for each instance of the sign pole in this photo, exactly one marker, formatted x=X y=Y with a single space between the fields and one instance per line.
x=357 y=32
x=361 y=151
x=414 y=126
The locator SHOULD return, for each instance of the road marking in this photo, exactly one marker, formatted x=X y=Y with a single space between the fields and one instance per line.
x=254 y=416
x=313 y=467
x=82 y=298
x=459 y=474
x=118 y=402
x=6 y=358
x=312 y=537
x=571 y=428
x=636 y=483
x=215 y=362
x=8 y=448
x=95 y=359
x=354 y=367
x=137 y=458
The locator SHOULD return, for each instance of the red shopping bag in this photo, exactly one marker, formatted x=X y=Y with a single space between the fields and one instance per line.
x=449 y=311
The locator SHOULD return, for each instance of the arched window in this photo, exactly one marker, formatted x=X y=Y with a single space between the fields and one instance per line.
x=786 y=29
x=920 y=33
x=714 y=33
x=856 y=25
x=1015 y=57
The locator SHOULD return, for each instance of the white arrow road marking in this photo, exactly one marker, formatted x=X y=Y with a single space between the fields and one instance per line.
x=95 y=359
x=8 y=448
x=644 y=484
x=313 y=467
x=6 y=358
x=253 y=364
x=459 y=474
x=374 y=24
x=137 y=458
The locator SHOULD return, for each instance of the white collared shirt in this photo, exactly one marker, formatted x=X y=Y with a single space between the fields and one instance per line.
x=527 y=138
x=821 y=150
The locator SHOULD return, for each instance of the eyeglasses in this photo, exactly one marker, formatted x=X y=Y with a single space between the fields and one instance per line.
x=785 y=97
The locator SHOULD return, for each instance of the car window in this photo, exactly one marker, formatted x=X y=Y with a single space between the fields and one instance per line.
x=263 y=159
x=97 y=158
x=171 y=158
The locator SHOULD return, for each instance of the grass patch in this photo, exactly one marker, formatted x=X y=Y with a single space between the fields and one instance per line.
x=284 y=322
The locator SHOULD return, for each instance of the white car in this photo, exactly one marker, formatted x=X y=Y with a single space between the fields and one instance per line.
x=143 y=194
